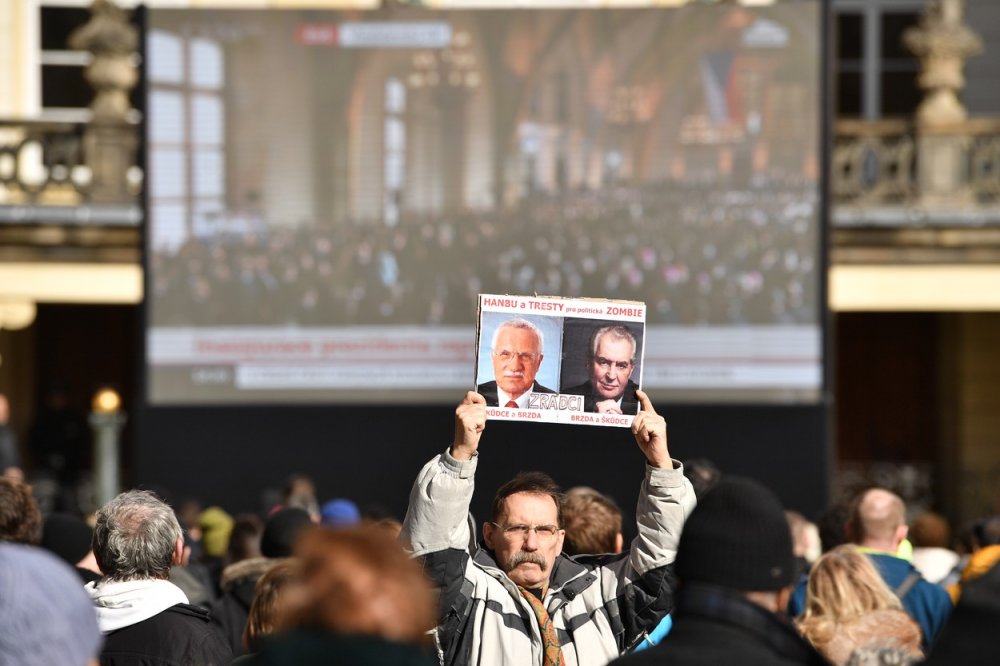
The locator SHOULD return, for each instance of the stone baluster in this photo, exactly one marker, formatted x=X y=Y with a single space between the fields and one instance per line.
x=110 y=138
x=942 y=42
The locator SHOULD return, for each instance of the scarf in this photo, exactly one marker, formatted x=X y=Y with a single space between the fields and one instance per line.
x=552 y=651
x=121 y=604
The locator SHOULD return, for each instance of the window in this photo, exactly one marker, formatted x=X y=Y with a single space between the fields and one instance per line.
x=394 y=141
x=876 y=76
x=186 y=124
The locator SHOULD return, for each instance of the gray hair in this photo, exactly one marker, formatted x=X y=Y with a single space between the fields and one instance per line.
x=616 y=331
x=523 y=324
x=135 y=536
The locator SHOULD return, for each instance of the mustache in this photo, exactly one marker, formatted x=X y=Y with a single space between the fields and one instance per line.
x=523 y=556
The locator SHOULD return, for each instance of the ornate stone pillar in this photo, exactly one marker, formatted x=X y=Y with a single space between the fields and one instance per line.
x=942 y=42
x=110 y=139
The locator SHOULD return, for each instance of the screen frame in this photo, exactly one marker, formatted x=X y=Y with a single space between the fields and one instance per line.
x=702 y=397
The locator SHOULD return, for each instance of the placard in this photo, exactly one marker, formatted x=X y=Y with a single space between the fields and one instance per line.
x=560 y=360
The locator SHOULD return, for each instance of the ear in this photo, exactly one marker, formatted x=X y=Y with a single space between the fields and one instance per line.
x=619 y=542
x=488 y=535
x=901 y=533
x=178 y=557
x=783 y=597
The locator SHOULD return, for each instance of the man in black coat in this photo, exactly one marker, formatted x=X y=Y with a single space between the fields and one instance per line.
x=610 y=362
x=145 y=618
x=517 y=355
x=736 y=570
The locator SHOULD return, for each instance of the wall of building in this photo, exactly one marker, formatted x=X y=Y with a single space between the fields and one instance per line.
x=971 y=414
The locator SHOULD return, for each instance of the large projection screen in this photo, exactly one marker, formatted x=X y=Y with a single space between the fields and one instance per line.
x=329 y=191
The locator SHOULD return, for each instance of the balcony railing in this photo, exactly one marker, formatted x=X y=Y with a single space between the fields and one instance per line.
x=897 y=172
x=42 y=161
x=60 y=172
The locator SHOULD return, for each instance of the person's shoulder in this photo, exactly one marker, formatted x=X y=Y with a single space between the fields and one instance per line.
x=542 y=389
x=186 y=618
x=934 y=592
x=205 y=642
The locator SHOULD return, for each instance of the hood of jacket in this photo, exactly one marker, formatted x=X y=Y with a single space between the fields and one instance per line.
x=244 y=570
x=121 y=604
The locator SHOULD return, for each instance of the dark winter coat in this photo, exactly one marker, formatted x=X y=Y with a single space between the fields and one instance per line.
x=179 y=636
x=715 y=626
x=230 y=611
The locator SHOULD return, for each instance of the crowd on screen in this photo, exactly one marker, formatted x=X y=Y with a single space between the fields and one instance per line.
x=693 y=254
x=718 y=573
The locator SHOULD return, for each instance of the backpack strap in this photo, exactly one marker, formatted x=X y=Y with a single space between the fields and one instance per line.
x=904 y=588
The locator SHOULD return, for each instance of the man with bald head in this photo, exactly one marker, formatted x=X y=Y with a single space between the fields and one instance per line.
x=878 y=527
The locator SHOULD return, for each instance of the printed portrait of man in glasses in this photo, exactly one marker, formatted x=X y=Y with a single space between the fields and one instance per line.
x=610 y=364
x=517 y=353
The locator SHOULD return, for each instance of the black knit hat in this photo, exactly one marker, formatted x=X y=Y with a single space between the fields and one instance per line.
x=281 y=531
x=737 y=537
x=67 y=536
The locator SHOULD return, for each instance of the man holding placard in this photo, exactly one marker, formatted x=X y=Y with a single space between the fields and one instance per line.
x=517 y=355
x=518 y=600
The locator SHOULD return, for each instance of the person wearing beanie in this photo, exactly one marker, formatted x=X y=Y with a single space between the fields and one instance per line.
x=45 y=616
x=735 y=567
x=68 y=536
x=216 y=526
x=281 y=530
x=339 y=513
x=146 y=619
x=517 y=600
x=239 y=580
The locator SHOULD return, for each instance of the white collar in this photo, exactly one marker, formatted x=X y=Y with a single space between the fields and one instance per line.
x=522 y=402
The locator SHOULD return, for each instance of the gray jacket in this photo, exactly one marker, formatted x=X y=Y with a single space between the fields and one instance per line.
x=601 y=605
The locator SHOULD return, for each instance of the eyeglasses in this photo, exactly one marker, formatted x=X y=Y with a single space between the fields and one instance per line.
x=506 y=355
x=606 y=363
x=544 y=532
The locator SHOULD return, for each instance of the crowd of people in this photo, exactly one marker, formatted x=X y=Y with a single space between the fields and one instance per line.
x=694 y=254
x=719 y=573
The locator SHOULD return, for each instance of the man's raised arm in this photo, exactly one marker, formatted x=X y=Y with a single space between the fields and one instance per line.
x=666 y=498
x=437 y=517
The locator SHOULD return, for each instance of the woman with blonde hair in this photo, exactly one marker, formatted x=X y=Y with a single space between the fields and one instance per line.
x=849 y=607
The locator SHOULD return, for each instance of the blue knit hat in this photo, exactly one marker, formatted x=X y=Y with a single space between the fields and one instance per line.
x=45 y=616
x=340 y=513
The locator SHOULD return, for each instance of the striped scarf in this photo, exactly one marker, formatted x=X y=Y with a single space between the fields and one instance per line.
x=552 y=654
